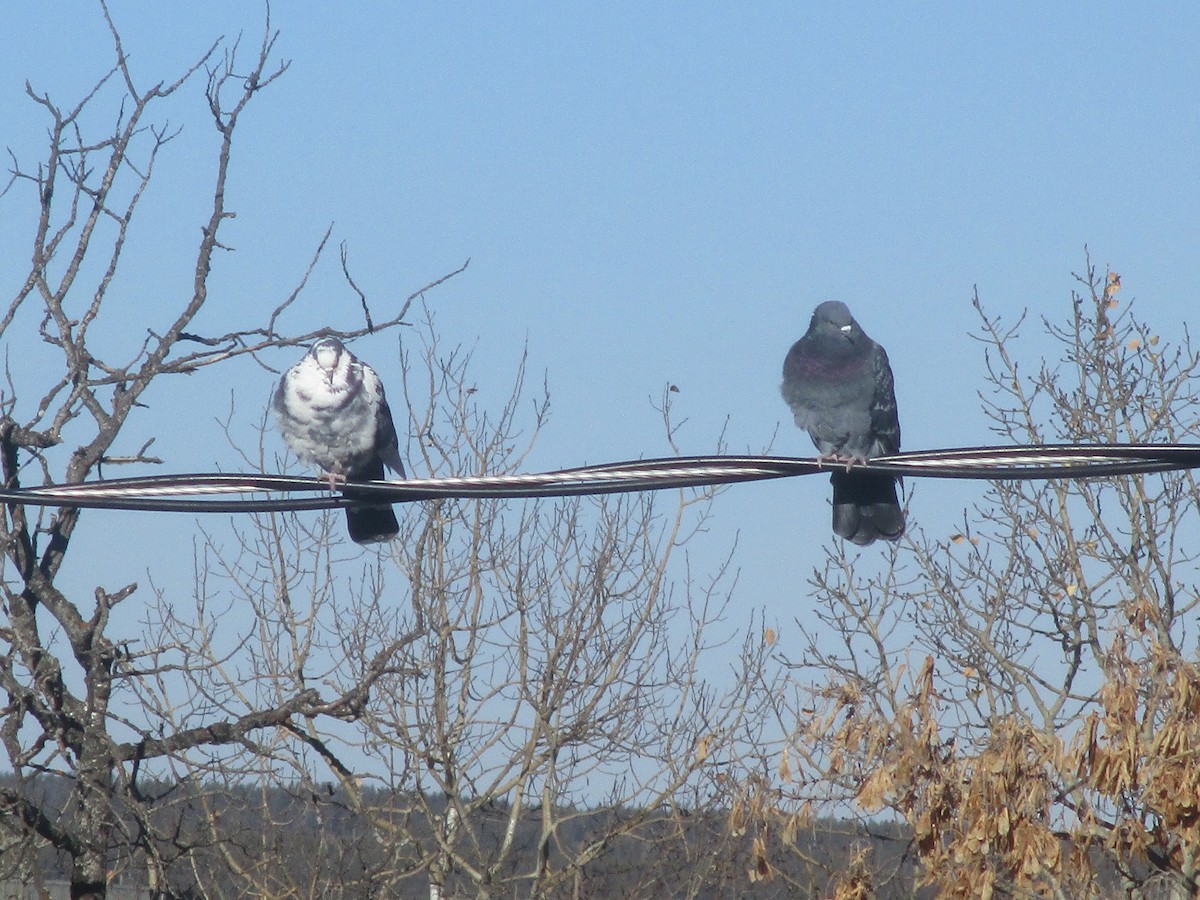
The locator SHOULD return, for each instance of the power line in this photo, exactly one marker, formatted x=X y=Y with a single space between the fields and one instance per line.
x=210 y=492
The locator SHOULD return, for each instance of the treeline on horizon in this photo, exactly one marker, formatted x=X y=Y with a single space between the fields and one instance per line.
x=697 y=854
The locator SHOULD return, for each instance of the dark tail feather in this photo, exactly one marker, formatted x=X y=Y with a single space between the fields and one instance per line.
x=371 y=524
x=865 y=507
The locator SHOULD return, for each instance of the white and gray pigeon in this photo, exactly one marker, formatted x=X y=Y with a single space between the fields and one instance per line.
x=839 y=385
x=332 y=412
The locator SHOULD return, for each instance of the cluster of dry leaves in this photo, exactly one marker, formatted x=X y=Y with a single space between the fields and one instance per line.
x=1030 y=812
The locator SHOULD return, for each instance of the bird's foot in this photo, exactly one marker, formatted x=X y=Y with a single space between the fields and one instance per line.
x=334 y=478
x=840 y=460
x=853 y=461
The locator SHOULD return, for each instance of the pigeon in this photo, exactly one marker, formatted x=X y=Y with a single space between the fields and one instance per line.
x=839 y=385
x=332 y=412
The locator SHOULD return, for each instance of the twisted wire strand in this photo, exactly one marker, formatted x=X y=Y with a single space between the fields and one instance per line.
x=194 y=492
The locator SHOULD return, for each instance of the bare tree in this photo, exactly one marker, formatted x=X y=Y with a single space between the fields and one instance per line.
x=62 y=664
x=515 y=699
x=550 y=711
x=1023 y=692
x=560 y=668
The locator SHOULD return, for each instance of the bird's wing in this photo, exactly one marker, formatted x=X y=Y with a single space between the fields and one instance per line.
x=885 y=421
x=386 y=441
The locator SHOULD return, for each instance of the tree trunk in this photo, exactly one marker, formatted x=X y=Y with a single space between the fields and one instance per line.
x=94 y=787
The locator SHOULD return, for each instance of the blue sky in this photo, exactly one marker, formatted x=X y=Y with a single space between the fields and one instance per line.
x=654 y=193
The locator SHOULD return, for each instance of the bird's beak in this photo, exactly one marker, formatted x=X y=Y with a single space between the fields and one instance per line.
x=845 y=329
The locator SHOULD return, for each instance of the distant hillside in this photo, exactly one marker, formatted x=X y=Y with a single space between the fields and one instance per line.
x=316 y=838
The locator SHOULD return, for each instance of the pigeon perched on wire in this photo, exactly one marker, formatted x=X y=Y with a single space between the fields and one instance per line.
x=839 y=385
x=332 y=412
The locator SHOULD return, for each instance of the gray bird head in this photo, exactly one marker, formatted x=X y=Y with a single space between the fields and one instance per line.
x=832 y=319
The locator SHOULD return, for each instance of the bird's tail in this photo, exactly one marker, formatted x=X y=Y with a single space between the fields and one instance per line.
x=371 y=524
x=866 y=507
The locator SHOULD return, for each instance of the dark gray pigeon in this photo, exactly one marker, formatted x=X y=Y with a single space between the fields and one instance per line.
x=839 y=385
x=332 y=412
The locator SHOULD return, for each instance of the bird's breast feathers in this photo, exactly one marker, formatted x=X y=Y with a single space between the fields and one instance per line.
x=831 y=382
x=329 y=417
